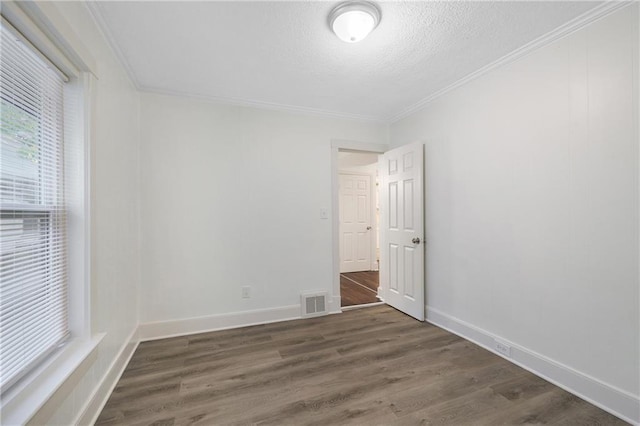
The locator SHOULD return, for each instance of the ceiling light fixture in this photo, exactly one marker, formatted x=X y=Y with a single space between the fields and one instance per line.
x=352 y=21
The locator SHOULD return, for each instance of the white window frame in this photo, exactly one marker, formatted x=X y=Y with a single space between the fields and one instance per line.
x=44 y=28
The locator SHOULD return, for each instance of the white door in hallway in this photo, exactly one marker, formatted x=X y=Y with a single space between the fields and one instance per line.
x=355 y=222
x=402 y=229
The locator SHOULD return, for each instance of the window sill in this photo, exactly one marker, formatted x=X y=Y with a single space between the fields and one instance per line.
x=56 y=377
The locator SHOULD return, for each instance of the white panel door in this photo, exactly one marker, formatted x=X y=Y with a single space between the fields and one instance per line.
x=355 y=222
x=402 y=229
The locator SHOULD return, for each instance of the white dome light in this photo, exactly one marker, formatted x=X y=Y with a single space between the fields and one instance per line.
x=353 y=21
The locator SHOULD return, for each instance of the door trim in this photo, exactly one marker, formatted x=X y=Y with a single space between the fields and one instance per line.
x=344 y=145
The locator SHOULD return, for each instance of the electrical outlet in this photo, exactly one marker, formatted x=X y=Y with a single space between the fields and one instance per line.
x=246 y=292
x=502 y=348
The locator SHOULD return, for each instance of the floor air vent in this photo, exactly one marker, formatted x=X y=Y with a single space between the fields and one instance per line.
x=314 y=304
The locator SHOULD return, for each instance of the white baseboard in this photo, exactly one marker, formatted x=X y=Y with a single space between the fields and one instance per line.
x=616 y=401
x=336 y=302
x=94 y=405
x=162 y=329
x=181 y=327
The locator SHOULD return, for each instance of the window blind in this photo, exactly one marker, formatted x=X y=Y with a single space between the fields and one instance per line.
x=33 y=270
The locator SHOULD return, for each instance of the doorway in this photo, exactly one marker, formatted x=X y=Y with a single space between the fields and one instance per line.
x=358 y=212
x=400 y=174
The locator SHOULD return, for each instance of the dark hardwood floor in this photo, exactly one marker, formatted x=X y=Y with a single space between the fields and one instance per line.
x=358 y=288
x=372 y=366
x=369 y=279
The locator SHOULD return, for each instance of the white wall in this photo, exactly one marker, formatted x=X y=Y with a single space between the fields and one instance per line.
x=231 y=197
x=115 y=212
x=357 y=160
x=532 y=203
x=371 y=169
x=532 y=214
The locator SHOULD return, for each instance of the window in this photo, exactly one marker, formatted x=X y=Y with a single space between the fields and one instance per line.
x=33 y=264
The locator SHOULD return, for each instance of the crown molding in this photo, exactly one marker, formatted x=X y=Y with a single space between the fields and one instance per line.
x=96 y=13
x=562 y=31
x=98 y=16
x=241 y=102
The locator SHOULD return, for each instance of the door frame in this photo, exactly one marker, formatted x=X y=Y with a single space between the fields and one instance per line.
x=342 y=145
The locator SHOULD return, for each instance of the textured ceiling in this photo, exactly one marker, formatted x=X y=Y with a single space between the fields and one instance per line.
x=282 y=54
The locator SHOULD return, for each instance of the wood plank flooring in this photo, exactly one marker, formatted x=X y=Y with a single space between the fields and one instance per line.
x=358 y=288
x=372 y=366
x=369 y=279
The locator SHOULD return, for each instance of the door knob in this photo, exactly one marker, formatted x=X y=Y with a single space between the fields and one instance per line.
x=368 y=228
x=416 y=240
